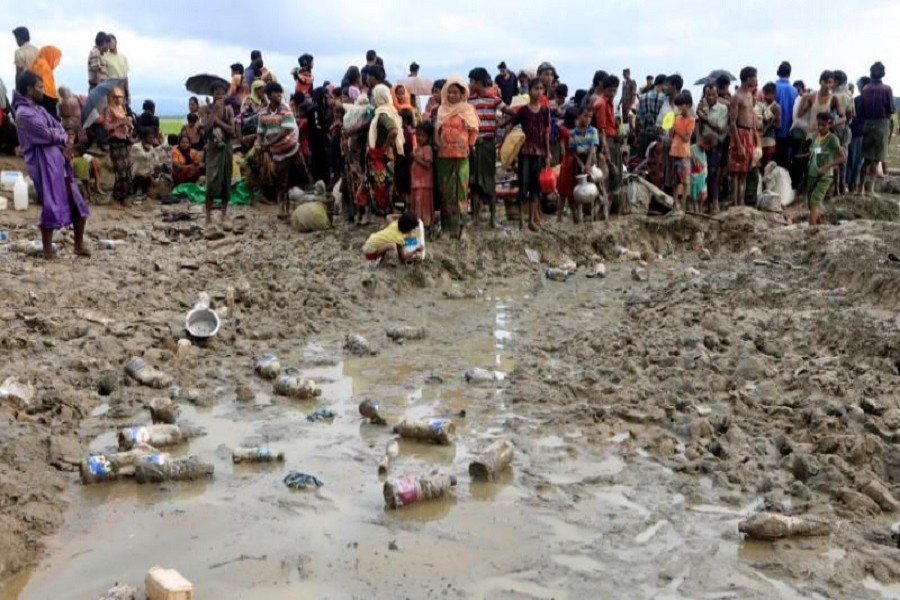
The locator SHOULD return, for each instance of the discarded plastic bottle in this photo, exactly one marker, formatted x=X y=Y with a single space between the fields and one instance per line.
x=107 y=244
x=404 y=491
x=554 y=274
x=154 y=435
x=100 y=468
x=369 y=409
x=401 y=333
x=144 y=374
x=495 y=458
x=256 y=454
x=438 y=431
x=296 y=387
x=268 y=367
x=158 y=469
x=391 y=451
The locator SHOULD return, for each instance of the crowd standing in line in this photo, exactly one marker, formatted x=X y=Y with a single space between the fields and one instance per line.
x=441 y=163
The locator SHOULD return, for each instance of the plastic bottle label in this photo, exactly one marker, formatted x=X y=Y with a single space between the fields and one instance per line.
x=263 y=452
x=140 y=435
x=437 y=425
x=156 y=459
x=98 y=466
x=407 y=490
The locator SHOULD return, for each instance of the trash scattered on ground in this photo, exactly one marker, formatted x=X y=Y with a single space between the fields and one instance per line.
x=391 y=451
x=167 y=584
x=404 y=491
x=158 y=436
x=255 y=454
x=268 y=366
x=496 y=457
x=369 y=409
x=403 y=333
x=533 y=256
x=478 y=375
x=146 y=375
x=322 y=414
x=112 y=466
x=357 y=345
x=438 y=431
x=554 y=274
x=120 y=592
x=597 y=272
x=181 y=469
x=163 y=411
x=294 y=386
x=297 y=481
x=640 y=274
x=773 y=526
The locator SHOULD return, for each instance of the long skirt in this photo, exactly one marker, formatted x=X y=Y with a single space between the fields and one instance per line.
x=219 y=167
x=876 y=133
x=421 y=202
x=453 y=182
x=483 y=169
x=379 y=180
x=120 y=156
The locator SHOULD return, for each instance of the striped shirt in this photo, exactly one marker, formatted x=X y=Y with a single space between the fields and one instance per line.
x=582 y=140
x=486 y=109
x=272 y=125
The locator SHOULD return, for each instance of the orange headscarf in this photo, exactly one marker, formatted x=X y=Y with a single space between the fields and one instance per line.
x=47 y=60
x=406 y=104
x=462 y=109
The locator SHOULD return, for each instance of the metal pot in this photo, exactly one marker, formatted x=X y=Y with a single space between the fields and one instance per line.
x=585 y=191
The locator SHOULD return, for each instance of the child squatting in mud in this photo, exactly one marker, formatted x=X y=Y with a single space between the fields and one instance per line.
x=392 y=238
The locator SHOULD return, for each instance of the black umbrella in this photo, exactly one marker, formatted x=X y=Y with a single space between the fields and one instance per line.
x=713 y=75
x=202 y=84
x=97 y=99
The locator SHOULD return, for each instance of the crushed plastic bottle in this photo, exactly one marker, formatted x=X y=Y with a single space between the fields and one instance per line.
x=256 y=454
x=268 y=367
x=404 y=491
x=438 y=431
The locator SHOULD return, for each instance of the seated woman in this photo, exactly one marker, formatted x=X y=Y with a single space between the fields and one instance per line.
x=187 y=165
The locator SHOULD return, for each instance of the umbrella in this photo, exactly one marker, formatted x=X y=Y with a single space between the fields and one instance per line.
x=713 y=75
x=96 y=101
x=417 y=86
x=202 y=84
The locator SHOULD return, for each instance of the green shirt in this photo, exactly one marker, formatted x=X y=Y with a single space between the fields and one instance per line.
x=81 y=167
x=822 y=152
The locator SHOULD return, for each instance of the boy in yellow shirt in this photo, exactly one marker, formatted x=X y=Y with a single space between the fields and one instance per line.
x=393 y=237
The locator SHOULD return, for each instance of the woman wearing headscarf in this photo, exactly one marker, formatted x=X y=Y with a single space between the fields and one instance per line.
x=401 y=98
x=254 y=102
x=384 y=143
x=43 y=66
x=457 y=132
x=434 y=101
x=119 y=127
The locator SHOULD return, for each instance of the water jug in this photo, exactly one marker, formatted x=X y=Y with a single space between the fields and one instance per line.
x=20 y=195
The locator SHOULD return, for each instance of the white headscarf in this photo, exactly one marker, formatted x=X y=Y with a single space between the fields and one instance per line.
x=384 y=105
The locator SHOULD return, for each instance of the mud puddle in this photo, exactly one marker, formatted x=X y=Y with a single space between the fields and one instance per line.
x=573 y=519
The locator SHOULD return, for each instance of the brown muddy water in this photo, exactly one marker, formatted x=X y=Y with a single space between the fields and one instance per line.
x=570 y=520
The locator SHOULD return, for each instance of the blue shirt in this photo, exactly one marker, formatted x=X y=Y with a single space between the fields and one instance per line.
x=785 y=96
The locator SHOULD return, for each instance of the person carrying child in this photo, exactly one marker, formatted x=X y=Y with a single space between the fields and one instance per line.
x=825 y=154
x=392 y=239
x=421 y=200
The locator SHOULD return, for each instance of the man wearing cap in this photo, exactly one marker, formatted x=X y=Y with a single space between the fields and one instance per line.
x=507 y=83
x=785 y=96
x=26 y=52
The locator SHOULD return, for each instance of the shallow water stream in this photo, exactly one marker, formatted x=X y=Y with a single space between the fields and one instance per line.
x=572 y=519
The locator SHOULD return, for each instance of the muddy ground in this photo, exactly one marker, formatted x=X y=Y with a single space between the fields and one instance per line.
x=756 y=368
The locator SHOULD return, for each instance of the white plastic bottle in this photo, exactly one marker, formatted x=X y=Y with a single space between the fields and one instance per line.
x=20 y=194
x=3 y=202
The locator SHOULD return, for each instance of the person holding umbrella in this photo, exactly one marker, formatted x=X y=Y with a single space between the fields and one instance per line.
x=43 y=141
x=218 y=123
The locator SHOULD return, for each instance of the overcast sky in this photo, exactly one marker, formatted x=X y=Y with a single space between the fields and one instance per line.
x=167 y=40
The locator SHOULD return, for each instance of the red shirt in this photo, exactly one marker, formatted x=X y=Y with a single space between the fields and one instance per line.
x=605 y=118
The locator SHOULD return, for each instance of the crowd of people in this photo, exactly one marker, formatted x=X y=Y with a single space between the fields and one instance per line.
x=439 y=162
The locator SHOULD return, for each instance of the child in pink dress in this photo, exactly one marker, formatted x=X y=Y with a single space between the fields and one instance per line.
x=422 y=176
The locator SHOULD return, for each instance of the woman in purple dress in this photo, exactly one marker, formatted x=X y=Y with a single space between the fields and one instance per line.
x=43 y=141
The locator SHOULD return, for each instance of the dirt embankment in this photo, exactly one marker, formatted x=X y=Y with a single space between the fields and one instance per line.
x=775 y=377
